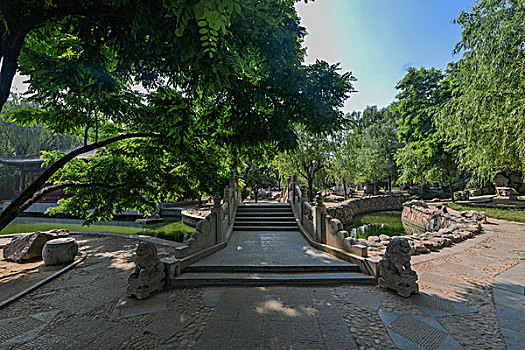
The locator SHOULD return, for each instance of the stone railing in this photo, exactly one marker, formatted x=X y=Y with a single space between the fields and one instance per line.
x=316 y=223
x=216 y=227
x=346 y=211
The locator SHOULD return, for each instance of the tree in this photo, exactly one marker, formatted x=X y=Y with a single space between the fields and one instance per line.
x=256 y=176
x=485 y=114
x=425 y=155
x=16 y=140
x=312 y=154
x=120 y=22
x=200 y=109
x=378 y=144
x=342 y=167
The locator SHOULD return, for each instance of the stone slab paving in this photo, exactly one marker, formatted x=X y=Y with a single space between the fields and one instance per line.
x=276 y=318
x=509 y=297
x=86 y=308
x=269 y=248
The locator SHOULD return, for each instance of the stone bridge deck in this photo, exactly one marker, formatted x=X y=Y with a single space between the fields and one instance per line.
x=259 y=254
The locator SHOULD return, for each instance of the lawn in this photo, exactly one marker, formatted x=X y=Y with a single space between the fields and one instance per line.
x=496 y=213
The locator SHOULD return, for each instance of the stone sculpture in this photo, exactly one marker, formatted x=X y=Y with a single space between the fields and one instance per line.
x=395 y=271
x=148 y=275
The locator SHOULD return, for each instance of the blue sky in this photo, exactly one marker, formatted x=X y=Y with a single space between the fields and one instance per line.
x=377 y=40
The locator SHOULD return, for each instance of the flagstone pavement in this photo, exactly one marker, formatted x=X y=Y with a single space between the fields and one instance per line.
x=471 y=297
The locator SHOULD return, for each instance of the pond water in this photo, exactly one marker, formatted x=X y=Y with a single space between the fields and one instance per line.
x=378 y=223
x=168 y=229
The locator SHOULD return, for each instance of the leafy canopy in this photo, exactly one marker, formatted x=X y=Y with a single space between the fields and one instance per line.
x=485 y=116
x=208 y=108
x=425 y=156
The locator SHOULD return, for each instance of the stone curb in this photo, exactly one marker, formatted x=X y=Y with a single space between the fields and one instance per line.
x=44 y=281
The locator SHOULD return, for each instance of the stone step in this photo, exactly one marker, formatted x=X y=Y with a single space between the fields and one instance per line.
x=264 y=205
x=272 y=268
x=265 y=218
x=264 y=213
x=195 y=279
x=270 y=210
x=265 y=223
x=264 y=228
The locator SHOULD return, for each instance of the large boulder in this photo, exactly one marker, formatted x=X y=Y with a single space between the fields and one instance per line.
x=29 y=247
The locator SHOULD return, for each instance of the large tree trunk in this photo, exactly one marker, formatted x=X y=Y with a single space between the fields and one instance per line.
x=344 y=186
x=310 y=190
x=10 y=46
x=17 y=206
x=451 y=191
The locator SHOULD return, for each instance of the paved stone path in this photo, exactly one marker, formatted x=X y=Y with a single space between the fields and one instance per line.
x=274 y=318
x=262 y=248
x=86 y=309
x=509 y=297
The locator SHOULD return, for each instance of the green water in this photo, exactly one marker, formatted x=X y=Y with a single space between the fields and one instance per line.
x=378 y=223
x=168 y=229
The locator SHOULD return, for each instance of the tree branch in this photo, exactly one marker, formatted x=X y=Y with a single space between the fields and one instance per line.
x=62 y=185
x=12 y=210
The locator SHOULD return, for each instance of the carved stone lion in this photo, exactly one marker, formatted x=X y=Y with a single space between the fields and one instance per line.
x=148 y=275
x=395 y=270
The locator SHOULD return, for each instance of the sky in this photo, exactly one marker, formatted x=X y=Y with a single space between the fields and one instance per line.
x=377 y=40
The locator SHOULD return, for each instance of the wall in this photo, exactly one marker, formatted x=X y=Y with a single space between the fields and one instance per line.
x=350 y=208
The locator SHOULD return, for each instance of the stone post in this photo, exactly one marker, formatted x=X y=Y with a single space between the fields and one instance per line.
x=237 y=189
x=304 y=198
x=227 y=198
x=304 y=194
x=295 y=183
x=232 y=179
x=319 y=219
x=217 y=216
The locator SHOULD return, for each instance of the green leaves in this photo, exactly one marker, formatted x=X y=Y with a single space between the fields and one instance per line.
x=425 y=156
x=485 y=116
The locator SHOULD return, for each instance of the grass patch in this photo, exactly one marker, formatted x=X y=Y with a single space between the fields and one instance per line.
x=171 y=230
x=177 y=231
x=375 y=224
x=510 y=214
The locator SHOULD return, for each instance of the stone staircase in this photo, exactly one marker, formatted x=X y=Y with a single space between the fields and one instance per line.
x=265 y=217
x=266 y=248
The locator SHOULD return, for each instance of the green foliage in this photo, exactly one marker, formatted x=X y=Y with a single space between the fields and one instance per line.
x=376 y=135
x=256 y=176
x=425 y=156
x=311 y=155
x=18 y=140
x=219 y=81
x=485 y=116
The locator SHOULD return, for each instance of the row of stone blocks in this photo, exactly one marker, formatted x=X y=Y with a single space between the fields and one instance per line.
x=346 y=211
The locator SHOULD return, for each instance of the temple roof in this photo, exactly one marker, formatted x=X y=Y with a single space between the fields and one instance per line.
x=35 y=160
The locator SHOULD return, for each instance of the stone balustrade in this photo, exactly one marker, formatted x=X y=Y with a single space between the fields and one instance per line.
x=436 y=228
x=214 y=229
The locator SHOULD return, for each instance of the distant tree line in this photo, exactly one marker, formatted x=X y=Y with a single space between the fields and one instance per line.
x=461 y=125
